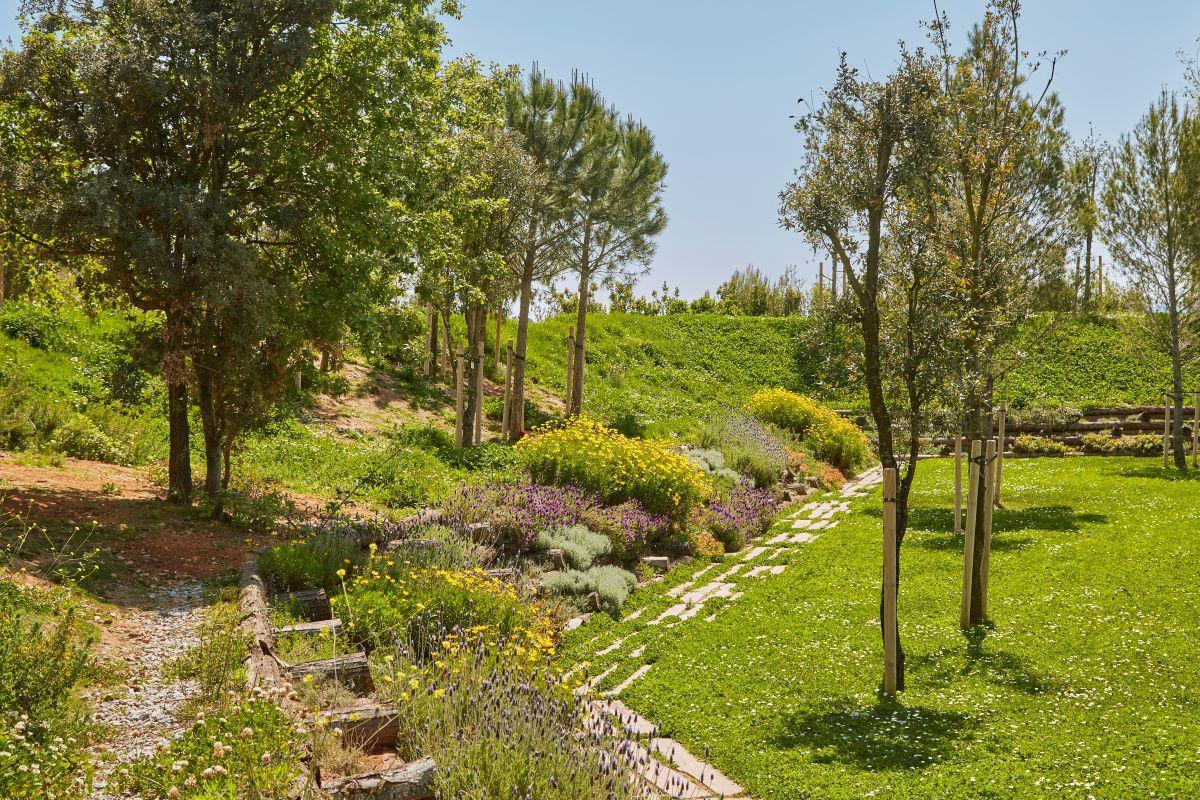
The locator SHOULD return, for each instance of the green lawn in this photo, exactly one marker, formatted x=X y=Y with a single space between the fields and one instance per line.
x=1084 y=686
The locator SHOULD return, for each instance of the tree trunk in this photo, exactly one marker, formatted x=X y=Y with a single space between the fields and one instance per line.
x=585 y=277
x=179 y=460
x=517 y=414
x=214 y=459
x=431 y=343
x=1087 y=273
x=324 y=360
x=1177 y=394
x=179 y=463
x=447 y=343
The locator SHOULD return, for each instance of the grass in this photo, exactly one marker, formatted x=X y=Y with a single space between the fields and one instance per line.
x=1082 y=686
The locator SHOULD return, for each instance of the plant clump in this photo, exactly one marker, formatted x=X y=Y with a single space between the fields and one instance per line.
x=741 y=515
x=827 y=435
x=609 y=583
x=581 y=547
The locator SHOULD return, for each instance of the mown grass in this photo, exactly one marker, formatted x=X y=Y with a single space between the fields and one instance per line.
x=1083 y=685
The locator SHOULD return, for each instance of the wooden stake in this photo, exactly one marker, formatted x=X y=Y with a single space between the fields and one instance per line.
x=580 y=363
x=1196 y=433
x=821 y=277
x=499 y=330
x=964 y=611
x=478 y=405
x=1000 y=449
x=958 y=453
x=570 y=369
x=990 y=482
x=889 y=582
x=1167 y=432
x=505 y=414
x=429 y=364
x=458 y=399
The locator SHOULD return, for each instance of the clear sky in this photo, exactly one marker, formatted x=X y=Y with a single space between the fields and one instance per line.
x=716 y=81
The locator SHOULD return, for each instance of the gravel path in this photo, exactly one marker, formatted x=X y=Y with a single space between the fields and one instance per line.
x=145 y=714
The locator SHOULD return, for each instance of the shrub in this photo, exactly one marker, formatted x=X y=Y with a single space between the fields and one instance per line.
x=1038 y=445
x=749 y=446
x=612 y=584
x=215 y=663
x=531 y=737
x=1146 y=444
x=629 y=527
x=580 y=546
x=46 y=760
x=389 y=602
x=711 y=463
x=515 y=512
x=249 y=751
x=705 y=544
x=36 y=326
x=615 y=468
x=311 y=562
x=831 y=438
x=79 y=437
x=740 y=516
x=790 y=411
x=39 y=664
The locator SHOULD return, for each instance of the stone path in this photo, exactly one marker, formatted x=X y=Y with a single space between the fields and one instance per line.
x=145 y=714
x=665 y=765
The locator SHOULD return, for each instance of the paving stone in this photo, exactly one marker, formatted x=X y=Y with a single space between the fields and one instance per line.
x=802 y=524
x=593 y=682
x=623 y=685
x=803 y=538
x=671 y=782
x=759 y=570
x=611 y=647
x=635 y=614
x=693 y=767
x=673 y=611
x=754 y=553
x=780 y=539
x=681 y=588
x=778 y=569
x=706 y=591
x=730 y=572
x=637 y=651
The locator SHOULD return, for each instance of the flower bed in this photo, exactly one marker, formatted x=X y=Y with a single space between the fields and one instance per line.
x=831 y=438
x=615 y=468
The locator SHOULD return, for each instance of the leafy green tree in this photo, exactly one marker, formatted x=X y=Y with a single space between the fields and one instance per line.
x=617 y=215
x=1005 y=203
x=233 y=166
x=1150 y=227
x=867 y=191
x=553 y=122
x=752 y=291
x=1082 y=181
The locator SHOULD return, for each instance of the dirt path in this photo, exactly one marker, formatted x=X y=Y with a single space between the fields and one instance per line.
x=145 y=712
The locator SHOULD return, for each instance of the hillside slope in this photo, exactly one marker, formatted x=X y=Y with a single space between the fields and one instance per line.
x=663 y=369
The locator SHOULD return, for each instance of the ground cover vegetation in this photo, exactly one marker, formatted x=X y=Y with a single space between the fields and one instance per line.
x=214 y=232
x=1079 y=583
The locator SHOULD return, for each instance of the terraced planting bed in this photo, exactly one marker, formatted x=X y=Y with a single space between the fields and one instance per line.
x=1078 y=687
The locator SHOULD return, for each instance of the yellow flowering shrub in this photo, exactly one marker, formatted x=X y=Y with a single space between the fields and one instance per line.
x=830 y=437
x=615 y=468
x=424 y=607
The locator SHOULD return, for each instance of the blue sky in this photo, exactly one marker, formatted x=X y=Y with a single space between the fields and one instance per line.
x=716 y=82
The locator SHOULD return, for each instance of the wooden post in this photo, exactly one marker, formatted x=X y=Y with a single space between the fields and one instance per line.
x=958 y=453
x=458 y=399
x=570 y=369
x=833 y=280
x=499 y=330
x=1001 y=421
x=821 y=278
x=580 y=362
x=1167 y=431
x=964 y=611
x=1196 y=433
x=889 y=582
x=505 y=414
x=478 y=405
x=429 y=363
x=991 y=483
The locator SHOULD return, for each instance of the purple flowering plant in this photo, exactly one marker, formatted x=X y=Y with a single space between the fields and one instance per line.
x=739 y=516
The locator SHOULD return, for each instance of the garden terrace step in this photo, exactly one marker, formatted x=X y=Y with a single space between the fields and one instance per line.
x=693 y=767
x=554 y=558
x=313 y=604
x=351 y=670
x=368 y=725
x=413 y=781
x=657 y=563
x=332 y=626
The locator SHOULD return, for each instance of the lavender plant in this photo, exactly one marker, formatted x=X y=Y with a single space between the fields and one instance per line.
x=740 y=516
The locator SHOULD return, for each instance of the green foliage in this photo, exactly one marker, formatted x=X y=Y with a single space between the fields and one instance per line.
x=47 y=759
x=531 y=736
x=311 y=562
x=248 y=751
x=1039 y=446
x=831 y=438
x=611 y=583
x=615 y=468
x=711 y=463
x=215 y=663
x=79 y=437
x=40 y=662
x=1079 y=578
x=580 y=546
x=749 y=446
x=36 y=326
x=1146 y=444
